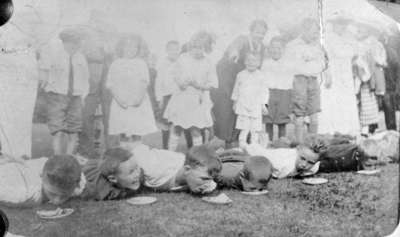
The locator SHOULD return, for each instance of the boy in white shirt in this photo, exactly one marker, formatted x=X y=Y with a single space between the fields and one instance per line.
x=166 y=85
x=65 y=76
x=287 y=162
x=250 y=99
x=280 y=80
x=308 y=61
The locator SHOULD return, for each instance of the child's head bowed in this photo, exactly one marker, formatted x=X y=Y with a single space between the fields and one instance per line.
x=61 y=177
x=201 y=167
x=306 y=158
x=256 y=173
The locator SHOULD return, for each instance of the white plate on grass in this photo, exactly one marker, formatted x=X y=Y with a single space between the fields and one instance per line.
x=315 y=181
x=368 y=172
x=55 y=214
x=222 y=198
x=256 y=193
x=178 y=188
x=142 y=200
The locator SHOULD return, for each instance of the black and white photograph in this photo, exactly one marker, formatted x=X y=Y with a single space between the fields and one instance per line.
x=208 y=118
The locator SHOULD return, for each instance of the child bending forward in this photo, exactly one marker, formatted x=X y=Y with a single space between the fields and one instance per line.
x=190 y=107
x=131 y=112
x=288 y=162
x=28 y=183
x=250 y=96
x=124 y=170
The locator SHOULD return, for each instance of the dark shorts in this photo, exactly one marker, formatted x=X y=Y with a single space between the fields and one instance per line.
x=306 y=96
x=279 y=106
x=64 y=113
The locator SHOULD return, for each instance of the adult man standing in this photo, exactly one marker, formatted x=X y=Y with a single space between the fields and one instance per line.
x=99 y=57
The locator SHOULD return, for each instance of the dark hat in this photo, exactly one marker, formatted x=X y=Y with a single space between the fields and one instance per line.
x=70 y=35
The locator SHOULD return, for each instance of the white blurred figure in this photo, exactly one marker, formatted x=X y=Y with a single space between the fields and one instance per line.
x=338 y=95
x=18 y=89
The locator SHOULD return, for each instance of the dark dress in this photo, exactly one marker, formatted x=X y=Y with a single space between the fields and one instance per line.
x=227 y=70
x=392 y=79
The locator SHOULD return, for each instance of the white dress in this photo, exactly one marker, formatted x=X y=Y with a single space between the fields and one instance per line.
x=191 y=107
x=18 y=89
x=129 y=78
x=339 y=102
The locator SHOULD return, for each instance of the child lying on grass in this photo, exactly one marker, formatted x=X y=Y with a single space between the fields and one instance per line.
x=32 y=182
x=242 y=172
x=124 y=170
x=287 y=162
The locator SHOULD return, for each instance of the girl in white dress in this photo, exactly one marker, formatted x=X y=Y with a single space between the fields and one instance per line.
x=338 y=95
x=190 y=106
x=131 y=112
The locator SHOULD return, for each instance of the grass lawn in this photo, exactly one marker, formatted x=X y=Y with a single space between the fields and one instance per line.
x=348 y=205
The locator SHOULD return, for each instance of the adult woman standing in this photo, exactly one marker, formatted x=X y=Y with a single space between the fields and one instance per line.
x=338 y=95
x=227 y=69
x=18 y=89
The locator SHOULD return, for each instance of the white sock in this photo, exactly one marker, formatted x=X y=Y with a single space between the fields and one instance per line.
x=197 y=140
x=173 y=141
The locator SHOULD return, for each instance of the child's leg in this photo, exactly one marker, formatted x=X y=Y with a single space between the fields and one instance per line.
x=269 y=127
x=313 y=127
x=281 y=130
x=255 y=137
x=175 y=134
x=165 y=138
x=188 y=137
x=243 y=137
x=59 y=143
x=299 y=129
x=196 y=136
x=72 y=143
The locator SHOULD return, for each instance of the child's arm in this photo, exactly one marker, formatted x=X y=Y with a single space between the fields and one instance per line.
x=235 y=47
x=144 y=81
x=4 y=159
x=236 y=88
x=112 y=83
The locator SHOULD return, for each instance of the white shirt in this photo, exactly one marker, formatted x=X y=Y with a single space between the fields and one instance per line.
x=128 y=79
x=277 y=73
x=250 y=93
x=160 y=166
x=55 y=60
x=167 y=72
x=283 y=160
x=306 y=59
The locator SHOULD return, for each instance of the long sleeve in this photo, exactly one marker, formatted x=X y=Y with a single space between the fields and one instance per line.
x=212 y=79
x=379 y=53
x=236 y=88
x=112 y=76
x=236 y=45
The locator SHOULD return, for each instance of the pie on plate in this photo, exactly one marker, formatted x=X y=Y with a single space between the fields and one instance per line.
x=222 y=198
x=54 y=214
x=142 y=200
x=256 y=193
x=315 y=181
x=369 y=172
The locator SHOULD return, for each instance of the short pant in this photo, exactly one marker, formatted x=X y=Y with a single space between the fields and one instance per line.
x=64 y=113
